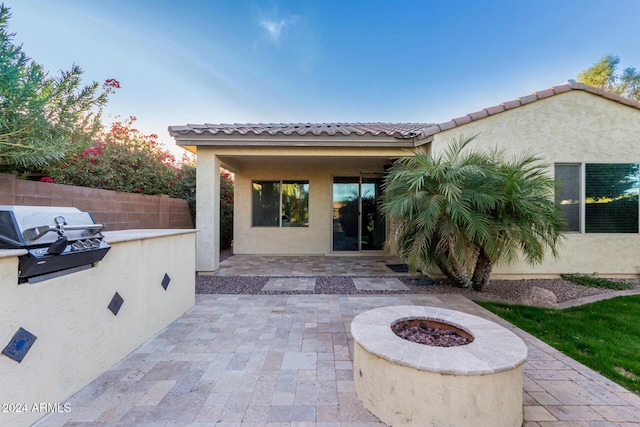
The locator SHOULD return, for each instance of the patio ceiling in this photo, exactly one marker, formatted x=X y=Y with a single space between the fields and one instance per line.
x=237 y=163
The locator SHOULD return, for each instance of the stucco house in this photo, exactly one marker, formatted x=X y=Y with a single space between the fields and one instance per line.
x=311 y=188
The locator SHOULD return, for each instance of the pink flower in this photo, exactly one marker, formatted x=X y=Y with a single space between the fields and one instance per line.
x=111 y=83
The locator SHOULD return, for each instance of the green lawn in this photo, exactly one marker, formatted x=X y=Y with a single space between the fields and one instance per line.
x=604 y=335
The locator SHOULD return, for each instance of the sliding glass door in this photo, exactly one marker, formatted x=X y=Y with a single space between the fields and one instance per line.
x=357 y=222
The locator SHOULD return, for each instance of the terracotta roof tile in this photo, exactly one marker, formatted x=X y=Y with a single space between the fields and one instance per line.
x=462 y=120
x=561 y=89
x=544 y=93
x=509 y=105
x=447 y=125
x=478 y=115
x=495 y=109
x=398 y=130
x=528 y=99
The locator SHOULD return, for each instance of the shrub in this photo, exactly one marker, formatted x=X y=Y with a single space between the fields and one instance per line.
x=186 y=189
x=123 y=160
x=594 y=281
x=226 y=209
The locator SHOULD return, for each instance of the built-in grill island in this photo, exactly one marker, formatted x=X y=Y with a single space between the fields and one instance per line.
x=59 y=240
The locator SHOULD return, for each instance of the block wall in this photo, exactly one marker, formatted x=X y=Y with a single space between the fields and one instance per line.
x=120 y=211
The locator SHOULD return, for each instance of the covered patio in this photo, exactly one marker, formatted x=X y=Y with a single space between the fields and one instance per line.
x=299 y=189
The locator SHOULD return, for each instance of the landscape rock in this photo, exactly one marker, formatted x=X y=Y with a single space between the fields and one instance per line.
x=539 y=297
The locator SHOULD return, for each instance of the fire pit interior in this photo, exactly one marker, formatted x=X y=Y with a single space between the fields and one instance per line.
x=405 y=383
x=428 y=332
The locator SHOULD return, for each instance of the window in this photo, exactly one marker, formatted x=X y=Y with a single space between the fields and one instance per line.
x=280 y=203
x=568 y=194
x=604 y=197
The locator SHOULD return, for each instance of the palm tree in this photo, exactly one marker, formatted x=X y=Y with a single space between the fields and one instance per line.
x=438 y=207
x=525 y=221
x=465 y=210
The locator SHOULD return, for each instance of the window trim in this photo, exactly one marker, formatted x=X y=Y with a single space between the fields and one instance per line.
x=280 y=183
x=583 y=194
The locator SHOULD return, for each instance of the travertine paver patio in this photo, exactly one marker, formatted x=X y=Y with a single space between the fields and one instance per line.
x=268 y=265
x=378 y=284
x=290 y=284
x=286 y=360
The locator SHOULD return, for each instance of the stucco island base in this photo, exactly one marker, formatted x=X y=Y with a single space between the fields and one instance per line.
x=409 y=384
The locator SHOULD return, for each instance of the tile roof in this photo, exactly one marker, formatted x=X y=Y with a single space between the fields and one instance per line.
x=398 y=130
x=519 y=102
x=418 y=131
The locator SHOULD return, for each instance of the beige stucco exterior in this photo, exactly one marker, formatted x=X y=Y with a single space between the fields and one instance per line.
x=78 y=337
x=572 y=127
x=565 y=124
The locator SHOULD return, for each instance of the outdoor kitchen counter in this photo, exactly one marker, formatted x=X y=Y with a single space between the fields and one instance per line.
x=129 y=235
x=8 y=253
x=63 y=332
x=115 y=237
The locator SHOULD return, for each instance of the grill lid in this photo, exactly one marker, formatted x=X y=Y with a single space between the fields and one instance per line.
x=58 y=240
x=29 y=226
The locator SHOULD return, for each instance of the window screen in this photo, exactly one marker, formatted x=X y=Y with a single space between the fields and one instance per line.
x=265 y=197
x=611 y=198
x=568 y=194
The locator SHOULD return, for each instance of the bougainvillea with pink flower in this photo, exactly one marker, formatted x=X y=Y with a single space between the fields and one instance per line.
x=123 y=159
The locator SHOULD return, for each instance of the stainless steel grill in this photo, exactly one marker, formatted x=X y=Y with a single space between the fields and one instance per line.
x=59 y=240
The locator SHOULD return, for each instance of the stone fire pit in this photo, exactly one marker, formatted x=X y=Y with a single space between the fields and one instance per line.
x=409 y=384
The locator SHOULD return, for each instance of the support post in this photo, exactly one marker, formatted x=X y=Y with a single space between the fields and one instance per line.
x=207 y=211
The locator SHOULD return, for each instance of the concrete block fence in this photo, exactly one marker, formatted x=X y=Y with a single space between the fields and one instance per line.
x=120 y=211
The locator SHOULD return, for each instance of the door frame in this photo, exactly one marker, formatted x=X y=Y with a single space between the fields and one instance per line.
x=359 y=251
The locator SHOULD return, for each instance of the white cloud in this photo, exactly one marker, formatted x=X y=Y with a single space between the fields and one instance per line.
x=274 y=28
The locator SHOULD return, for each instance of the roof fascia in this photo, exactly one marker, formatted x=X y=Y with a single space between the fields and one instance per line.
x=218 y=140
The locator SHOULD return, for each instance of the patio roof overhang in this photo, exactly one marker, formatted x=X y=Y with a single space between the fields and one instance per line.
x=240 y=145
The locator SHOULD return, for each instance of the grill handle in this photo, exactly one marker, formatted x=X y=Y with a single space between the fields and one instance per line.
x=37 y=232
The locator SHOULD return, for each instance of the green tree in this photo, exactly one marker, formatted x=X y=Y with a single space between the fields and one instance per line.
x=41 y=115
x=438 y=209
x=465 y=210
x=524 y=220
x=603 y=74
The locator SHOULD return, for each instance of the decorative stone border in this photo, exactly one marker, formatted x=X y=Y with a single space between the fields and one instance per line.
x=409 y=384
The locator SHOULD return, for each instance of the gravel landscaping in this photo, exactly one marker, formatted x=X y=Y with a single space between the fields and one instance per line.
x=496 y=290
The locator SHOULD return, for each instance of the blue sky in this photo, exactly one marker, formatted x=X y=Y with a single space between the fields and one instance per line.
x=236 y=61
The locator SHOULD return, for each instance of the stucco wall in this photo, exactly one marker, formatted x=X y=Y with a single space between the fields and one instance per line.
x=78 y=337
x=572 y=127
x=312 y=240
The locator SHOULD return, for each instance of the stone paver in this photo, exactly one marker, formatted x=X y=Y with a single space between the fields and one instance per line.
x=290 y=284
x=286 y=360
x=264 y=265
x=379 y=284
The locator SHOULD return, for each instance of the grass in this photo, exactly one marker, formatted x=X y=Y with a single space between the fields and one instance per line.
x=596 y=282
x=604 y=335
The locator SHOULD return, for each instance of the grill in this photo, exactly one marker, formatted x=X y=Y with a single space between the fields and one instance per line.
x=59 y=240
